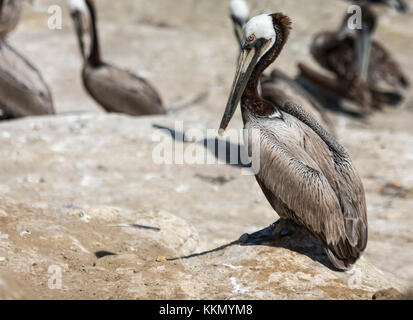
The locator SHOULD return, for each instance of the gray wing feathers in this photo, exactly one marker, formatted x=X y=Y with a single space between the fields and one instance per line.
x=121 y=91
x=303 y=188
x=347 y=183
x=23 y=91
x=318 y=183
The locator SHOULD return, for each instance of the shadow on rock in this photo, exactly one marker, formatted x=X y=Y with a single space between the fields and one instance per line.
x=301 y=242
x=195 y=255
x=102 y=254
x=222 y=150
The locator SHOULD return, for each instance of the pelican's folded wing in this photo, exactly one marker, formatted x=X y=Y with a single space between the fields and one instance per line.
x=302 y=181
x=301 y=189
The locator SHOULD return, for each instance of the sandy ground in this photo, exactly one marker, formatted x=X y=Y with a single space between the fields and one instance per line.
x=189 y=49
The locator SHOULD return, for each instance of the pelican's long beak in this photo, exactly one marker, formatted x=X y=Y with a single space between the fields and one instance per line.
x=363 y=52
x=247 y=62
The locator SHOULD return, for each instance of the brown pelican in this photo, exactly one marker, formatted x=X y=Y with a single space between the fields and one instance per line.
x=364 y=70
x=279 y=87
x=10 y=15
x=306 y=175
x=23 y=92
x=114 y=89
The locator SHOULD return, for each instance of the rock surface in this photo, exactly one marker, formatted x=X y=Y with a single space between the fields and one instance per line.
x=114 y=253
x=38 y=243
x=10 y=289
x=94 y=161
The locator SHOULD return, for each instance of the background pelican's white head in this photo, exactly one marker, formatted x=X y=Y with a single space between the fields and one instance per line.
x=260 y=27
x=77 y=6
x=239 y=10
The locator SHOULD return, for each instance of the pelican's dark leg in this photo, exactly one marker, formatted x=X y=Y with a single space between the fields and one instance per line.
x=280 y=229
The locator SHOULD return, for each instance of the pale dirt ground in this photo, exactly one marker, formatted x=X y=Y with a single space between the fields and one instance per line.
x=186 y=49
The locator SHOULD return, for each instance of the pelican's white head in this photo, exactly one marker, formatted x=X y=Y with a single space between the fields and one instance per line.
x=260 y=28
x=261 y=34
x=239 y=10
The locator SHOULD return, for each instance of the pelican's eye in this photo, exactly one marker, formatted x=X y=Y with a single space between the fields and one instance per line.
x=251 y=38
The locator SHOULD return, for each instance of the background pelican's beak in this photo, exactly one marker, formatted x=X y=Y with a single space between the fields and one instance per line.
x=78 y=22
x=363 y=52
x=247 y=62
x=238 y=29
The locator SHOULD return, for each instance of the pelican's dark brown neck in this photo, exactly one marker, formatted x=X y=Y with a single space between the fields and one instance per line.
x=94 y=58
x=282 y=26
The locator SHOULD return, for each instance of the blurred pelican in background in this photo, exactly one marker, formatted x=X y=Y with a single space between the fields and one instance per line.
x=363 y=70
x=10 y=15
x=239 y=12
x=279 y=88
x=116 y=90
x=23 y=91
